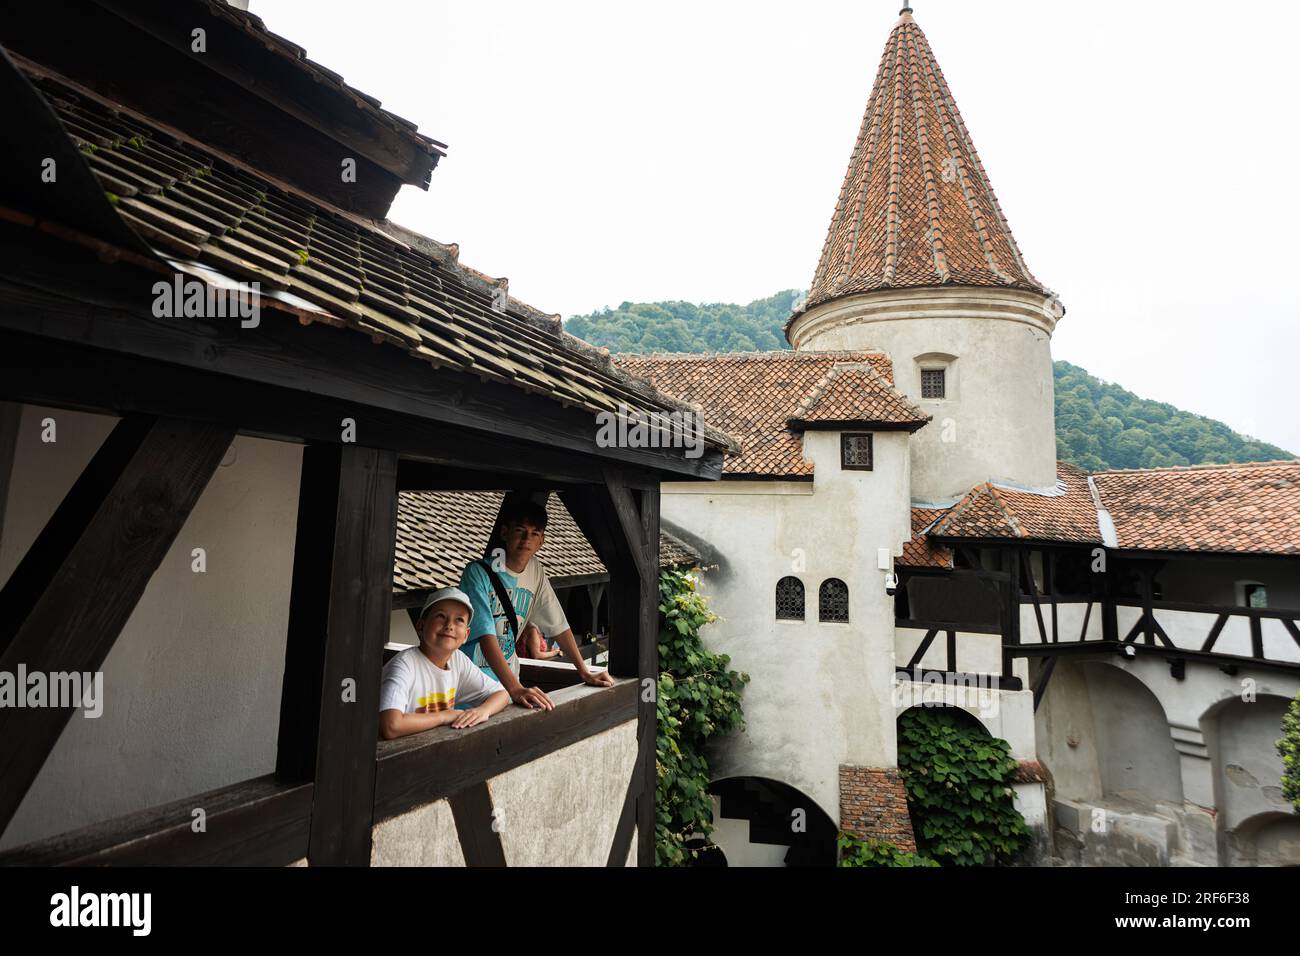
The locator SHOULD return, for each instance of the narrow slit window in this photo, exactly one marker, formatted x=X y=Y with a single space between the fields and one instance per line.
x=833 y=602
x=789 y=599
x=855 y=452
x=932 y=383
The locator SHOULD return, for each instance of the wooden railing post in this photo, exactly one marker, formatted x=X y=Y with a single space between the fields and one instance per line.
x=339 y=617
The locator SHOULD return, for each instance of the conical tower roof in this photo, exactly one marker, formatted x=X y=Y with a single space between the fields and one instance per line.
x=916 y=207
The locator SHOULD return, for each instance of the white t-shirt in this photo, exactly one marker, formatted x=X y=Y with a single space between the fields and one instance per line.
x=413 y=684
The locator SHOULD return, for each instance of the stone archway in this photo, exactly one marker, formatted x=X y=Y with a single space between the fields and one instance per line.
x=759 y=821
x=1267 y=839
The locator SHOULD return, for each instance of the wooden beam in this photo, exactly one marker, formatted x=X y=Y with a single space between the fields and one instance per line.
x=1040 y=686
x=308 y=367
x=621 y=520
x=421 y=768
x=480 y=840
x=340 y=611
x=922 y=648
x=68 y=600
x=1215 y=631
x=259 y=822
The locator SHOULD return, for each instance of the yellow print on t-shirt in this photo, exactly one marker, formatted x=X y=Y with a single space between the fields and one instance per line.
x=432 y=703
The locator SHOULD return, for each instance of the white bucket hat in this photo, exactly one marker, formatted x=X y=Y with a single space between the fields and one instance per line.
x=449 y=594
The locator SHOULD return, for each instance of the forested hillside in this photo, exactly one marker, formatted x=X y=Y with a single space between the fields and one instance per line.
x=1099 y=425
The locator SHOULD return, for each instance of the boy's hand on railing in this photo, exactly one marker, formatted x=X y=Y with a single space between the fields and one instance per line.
x=597 y=678
x=468 y=718
x=531 y=697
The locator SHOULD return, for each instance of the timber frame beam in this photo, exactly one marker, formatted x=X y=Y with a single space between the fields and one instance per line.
x=65 y=604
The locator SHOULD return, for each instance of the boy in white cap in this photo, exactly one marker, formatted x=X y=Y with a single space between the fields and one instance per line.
x=422 y=686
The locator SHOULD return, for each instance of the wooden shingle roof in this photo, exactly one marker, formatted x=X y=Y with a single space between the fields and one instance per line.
x=439 y=532
x=207 y=215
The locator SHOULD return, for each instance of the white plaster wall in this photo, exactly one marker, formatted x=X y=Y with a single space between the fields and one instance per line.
x=820 y=694
x=1247 y=766
x=425 y=836
x=563 y=809
x=401 y=630
x=1136 y=755
x=192 y=685
x=998 y=419
x=1066 y=740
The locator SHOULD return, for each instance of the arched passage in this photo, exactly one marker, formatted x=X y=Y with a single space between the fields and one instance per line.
x=1268 y=839
x=1241 y=738
x=763 y=822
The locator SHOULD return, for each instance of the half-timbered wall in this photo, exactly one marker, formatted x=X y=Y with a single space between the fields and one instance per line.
x=192 y=685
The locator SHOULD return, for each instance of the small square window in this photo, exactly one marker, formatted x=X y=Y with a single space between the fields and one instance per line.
x=1256 y=595
x=932 y=383
x=855 y=452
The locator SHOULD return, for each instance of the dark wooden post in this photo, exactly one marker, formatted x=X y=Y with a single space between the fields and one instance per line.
x=621 y=520
x=1010 y=610
x=339 y=618
x=1109 y=615
x=68 y=600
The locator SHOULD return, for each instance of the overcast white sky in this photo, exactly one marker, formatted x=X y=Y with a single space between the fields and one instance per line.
x=1145 y=153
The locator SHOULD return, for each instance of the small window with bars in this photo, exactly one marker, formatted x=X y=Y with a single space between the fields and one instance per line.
x=932 y=383
x=789 y=599
x=833 y=602
x=855 y=452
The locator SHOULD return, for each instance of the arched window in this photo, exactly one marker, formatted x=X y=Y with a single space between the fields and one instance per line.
x=789 y=599
x=833 y=602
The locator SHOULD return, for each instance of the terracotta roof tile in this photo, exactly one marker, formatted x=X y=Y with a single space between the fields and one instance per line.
x=920 y=551
x=995 y=511
x=856 y=393
x=753 y=395
x=439 y=532
x=1244 y=508
x=916 y=207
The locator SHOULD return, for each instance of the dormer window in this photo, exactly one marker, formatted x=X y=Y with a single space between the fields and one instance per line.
x=855 y=451
x=933 y=384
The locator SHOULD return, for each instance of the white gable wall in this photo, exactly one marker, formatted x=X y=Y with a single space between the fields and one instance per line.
x=821 y=694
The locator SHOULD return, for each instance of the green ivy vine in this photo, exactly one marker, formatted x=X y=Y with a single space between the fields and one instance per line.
x=959 y=793
x=1289 y=749
x=855 y=852
x=698 y=698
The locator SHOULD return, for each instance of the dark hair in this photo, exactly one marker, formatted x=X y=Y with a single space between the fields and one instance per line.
x=518 y=509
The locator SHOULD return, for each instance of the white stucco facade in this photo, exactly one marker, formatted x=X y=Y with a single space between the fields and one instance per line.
x=821 y=694
x=996 y=421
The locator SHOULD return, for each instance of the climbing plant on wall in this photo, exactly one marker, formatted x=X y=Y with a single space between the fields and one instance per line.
x=1289 y=748
x=959 y=793
x=698 y=697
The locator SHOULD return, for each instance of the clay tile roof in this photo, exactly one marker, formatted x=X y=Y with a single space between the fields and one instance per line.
x=916 y=207
x=856 y=393
x=995 y=511
x=1244 y=508
x=754 y=395
x=439 y=532
x=206 y=212
x=920 y=550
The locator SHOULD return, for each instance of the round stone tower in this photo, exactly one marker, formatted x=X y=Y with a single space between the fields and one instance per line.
x=920 y=263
